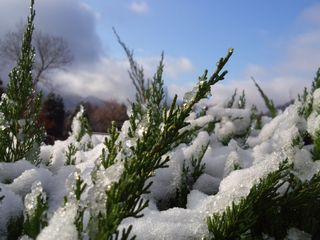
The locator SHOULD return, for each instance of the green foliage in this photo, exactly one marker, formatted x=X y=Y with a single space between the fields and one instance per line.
x=303 y=97
x=250 y=217
x=211 y=126
x=231 y=101
x=300 y=205
x=258 y=124
x=274 y=204
x=256 y=118
x=14 y=227
x=316 y=81
x=188 y=178
x=84 y=125
x=124 y=197
x=80 y=186
x=269 y=210
x=307 y=108
x=150 y=98
x=35 y=221
x=297 y=142
x=21 y=132
x=112 y=146
x=316 y=146
x=269 y=103
x=307 y=101
x=242 y=101
x=225 y=141
x=71 y=154
x=307 y=97
x=125 y=234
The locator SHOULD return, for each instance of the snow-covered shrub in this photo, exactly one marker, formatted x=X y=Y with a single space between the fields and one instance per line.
x=189 y=171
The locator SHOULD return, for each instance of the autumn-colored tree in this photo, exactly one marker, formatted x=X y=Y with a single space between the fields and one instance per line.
x=101 y=117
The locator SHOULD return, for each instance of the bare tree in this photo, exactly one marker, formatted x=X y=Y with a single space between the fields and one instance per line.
x=51 y=53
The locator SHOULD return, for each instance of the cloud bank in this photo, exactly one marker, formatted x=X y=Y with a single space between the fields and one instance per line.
x=95 y=73
x=109 y=78
x=72 y=20
x=139 y=7
x=284 y=80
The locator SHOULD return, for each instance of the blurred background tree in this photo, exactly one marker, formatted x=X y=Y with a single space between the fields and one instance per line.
x=53 y=116
x=52 y=53
x=100 y=116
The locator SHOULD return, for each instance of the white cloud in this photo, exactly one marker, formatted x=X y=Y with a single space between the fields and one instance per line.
x=109 y=78
x=106 y=79
x=282 y=80
x=312 y=14
x=174 y=67
x=72 y=19
x=280 y=89
x=139 y=7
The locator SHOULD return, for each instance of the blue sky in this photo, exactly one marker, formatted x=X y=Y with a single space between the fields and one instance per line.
x=202 y=30
x=277 y=42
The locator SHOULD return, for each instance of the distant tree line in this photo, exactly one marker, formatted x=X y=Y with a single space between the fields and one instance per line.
x=57 y=120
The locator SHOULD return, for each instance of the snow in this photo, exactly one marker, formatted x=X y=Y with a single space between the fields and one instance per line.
x=231 y=168
x=22 y=184
x=316 y=100
x=195 y=199
x=237 y=185
x=207 y=184
x=282 y=129
x=304 y=166
x=76 y=123
x=313 y=123
x=31 y=199
x=174 y=223
x=10 y=207
x=237 y=120
x=61 y=225
x=10 y=171
x=296 y=234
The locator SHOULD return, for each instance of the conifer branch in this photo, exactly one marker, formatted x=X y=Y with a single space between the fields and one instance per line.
x=316 y=81
x=242 y=101
x=269 y=103
x=20 y=105
x=108 y=159
x=233 y=97
x=147 y=156
x=242 y=220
